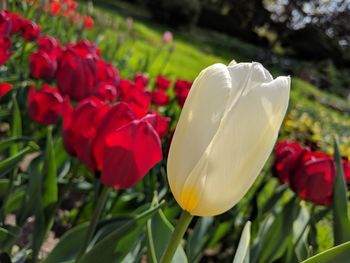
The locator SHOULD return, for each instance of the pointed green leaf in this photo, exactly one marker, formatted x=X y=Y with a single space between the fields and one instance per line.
x=16 y=129
x=199 y=238
x=341 y=223
x=338 y=254
x=49 y=187
x=68 y=246
x=115 y=246
x=242 y=253
x=272 y=240
x=11 y=162
x=8 y=236
x=159 y=232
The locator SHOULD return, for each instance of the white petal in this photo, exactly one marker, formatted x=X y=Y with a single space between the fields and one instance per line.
x=240 y=148
x=198 y=123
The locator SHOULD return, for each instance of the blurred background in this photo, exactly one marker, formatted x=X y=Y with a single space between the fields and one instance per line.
x=306 y=38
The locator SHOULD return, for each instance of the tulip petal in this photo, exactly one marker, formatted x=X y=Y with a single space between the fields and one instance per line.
x=241 y=145
x=202 y=112
x=130 y=152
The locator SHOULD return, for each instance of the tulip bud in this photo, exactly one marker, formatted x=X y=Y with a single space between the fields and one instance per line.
x=226 y=132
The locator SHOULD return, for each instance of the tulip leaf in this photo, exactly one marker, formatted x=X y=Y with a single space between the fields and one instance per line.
x=242 y=253
x=69 y=245
x=4 y=185
x=5 y=144
x=49 y=196
x=272 y=240
x=199 y=238
x=11 y=162
x=13 y=202
x=32 y=197
x=49 y=187
x=341 y=223
x=117 y=245
x=16 y=129
x=8 y=236
x=159 y=232
x=338 y=254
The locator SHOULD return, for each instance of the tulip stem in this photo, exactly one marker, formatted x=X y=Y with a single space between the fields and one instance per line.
x=180 y=229
x=95 y=218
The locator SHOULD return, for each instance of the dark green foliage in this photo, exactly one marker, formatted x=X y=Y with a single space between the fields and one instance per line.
x=180 y=13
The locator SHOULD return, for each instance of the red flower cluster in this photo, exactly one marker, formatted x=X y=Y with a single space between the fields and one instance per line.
x=82 y=73
x=64 y=8
x=113 y=141
x=310 y=174
x=11 y=23
x=43 y=63
x=159 y=94
x=182 y=88
x=47 y=105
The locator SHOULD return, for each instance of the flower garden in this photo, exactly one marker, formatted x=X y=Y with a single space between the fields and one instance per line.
x=113 y=149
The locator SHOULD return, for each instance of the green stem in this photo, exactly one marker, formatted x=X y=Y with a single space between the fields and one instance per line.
x=180 y=229
x=96 y=216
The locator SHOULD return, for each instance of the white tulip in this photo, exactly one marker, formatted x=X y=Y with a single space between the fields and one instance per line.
x=226 y=132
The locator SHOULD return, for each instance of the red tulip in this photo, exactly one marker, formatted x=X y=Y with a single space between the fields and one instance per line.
x=162 y=83
x=81 y=128
x=4 y=88
x=88 y=22
x=106 y=92
x=346 y=170
x=106 y=73
x=141 y=79
x=45 y=106
x=5 y=23
x=139 y=101
x=76 y=72
x=129 y=153
x=287 y=156
x=160 y=98
x=5 y=44
x=182 y=88
x=42 y=65
x=30 y=30
x=314 y=178
x=119 y=115
x=50 y=45
x=55 y=7
x=17 y=22
x=159 y=123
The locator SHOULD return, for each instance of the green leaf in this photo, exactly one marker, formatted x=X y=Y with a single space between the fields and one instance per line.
x=341 y=223
x=14 y=201
x=16 y=129
x=70 y=243
x=338 y=254
x=11 y=162
x=68 y=246
x=49 y=187
x=4 y=185
x=272 y=240
x=159 y=232
x=115 y=246
x=47 y=205
x=199 y=238
x=4 y=144
x=8 y=236
x=32 y=198
x=242 y=253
